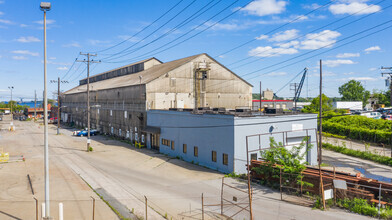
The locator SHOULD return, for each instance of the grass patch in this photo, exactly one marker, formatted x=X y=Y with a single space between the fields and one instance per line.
x=361 y=206
x=366 y=155
x=325 y=134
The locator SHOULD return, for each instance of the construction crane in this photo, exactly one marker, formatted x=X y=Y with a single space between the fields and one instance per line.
x=298 y=88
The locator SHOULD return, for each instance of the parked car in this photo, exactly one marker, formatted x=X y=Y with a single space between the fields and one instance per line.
x=387 y=117
x=82 y=133
x=375 y=115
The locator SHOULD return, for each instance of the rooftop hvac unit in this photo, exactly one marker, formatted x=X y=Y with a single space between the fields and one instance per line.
x=273 y=110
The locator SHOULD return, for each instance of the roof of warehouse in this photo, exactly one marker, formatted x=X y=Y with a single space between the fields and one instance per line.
x=148 y=75
x=142 y=61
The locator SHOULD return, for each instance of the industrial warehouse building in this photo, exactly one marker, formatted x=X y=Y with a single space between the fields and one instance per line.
x=119 y=98
x=217 y=139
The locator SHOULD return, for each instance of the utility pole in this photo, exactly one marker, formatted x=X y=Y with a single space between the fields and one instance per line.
x=260 y=98
x=35 y=104
x=58 y=101
x=320 y=134
x=390 y=77
x=88 y=61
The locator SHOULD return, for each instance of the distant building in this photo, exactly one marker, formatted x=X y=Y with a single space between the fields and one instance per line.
x=351 y=105
x=218 y=140
x=279 y=104
x=29 y=112
x=120 y=97
x=268 y=94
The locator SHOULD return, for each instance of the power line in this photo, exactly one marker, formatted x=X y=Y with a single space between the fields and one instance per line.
x=181 y=24
x=317 y=29
x=197 y=27
x=70 y=67
x=276 y=53
x=275 y=29
x=134 y=35
x=164 y=24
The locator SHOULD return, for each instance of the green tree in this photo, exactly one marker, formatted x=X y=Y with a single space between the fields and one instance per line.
x=382 y=96
x=354 y=91
x=314 y=106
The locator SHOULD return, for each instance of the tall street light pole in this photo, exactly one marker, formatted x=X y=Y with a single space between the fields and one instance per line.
x=45 y=6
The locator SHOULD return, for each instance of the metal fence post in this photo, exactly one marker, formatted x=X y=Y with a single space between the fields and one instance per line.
x=379 y=201
x=202 y=207
x=36 y=208
x=280 y=182
x=222 y=196
x=146 y=205
x=93 y=207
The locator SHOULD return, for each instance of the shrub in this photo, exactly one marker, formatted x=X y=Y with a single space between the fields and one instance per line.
x=361 y=206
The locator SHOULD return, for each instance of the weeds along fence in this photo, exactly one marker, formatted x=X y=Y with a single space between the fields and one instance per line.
x=309 y=182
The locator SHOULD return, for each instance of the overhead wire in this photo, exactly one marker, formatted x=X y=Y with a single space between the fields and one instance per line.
x=309 y=32
x=275 y=29
x=197 y=27
x=316 y=36
x=156 y=30
x=180 y=25
x=143 y=29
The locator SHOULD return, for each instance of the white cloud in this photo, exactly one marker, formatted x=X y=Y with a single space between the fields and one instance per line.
x=349 y=73
x=25 y=52
x=128 y=38
x=347 y=55
x=363 y=78
x=370 y=49
x=28 y=39
x=220 y=26
x=335 y=63
x=73 y=44
x=293 y=43
x=1 y=2
x=270 y=52
x=57 y=63
x=354 y=7
x=62 y=68
x=373 y=69
x=262 y=37
x=265 y=7
x=52 y=58
x=276 y=74
x=19 y=57
x=98 y=42
x=3 y=21
x=23 y=25
x=312 y=6
x=325 y=38
x=48 y=21
x=1 y=13
x=285 y=35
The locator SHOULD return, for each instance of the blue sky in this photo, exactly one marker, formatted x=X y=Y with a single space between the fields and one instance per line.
x=283 y=38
